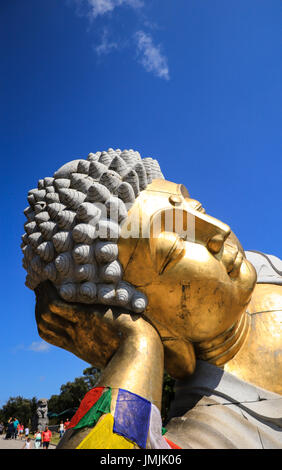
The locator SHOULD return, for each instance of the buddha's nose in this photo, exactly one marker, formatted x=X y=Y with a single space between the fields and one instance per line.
x=209 y=231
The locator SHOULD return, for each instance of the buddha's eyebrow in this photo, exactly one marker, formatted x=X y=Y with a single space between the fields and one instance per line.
x=197 y=206
x=177 y=199
x=201 y=209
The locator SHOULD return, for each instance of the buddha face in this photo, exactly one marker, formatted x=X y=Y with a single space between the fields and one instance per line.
x=190 y=265
x=191 y=268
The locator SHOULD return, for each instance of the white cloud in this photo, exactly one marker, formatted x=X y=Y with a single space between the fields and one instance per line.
x=100 y=7
x=105 y=47
x=150 y=56
x=39 y=346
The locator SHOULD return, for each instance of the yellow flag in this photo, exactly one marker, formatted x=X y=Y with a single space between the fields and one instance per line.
x=103 y=437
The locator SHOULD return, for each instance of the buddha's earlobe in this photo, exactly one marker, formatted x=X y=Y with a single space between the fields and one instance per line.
x=180 y=359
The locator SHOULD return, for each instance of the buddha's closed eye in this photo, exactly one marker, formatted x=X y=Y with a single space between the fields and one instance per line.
x=166 y=250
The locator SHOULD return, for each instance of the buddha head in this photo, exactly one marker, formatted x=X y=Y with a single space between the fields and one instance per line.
x=111 y=231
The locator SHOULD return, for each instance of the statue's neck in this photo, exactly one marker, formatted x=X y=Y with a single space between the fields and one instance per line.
x=223 y=348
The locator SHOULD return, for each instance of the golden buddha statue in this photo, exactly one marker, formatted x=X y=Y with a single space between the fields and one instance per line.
x=160 y=285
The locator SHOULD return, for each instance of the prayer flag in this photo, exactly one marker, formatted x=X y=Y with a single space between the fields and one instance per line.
x=172 y=445
x=156 y=440
x=87 y=402
x=132 y=417
x=102 y=406
x=102 y=437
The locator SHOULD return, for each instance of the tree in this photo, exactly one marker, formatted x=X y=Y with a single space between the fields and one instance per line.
x=54 y=404
x=19 y=407
x=91 y=376
x=73 y=392
x=168 y=395
x=70 y=396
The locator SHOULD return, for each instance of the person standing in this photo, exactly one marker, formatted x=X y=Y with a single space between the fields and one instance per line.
x=46 y=437
x=21 y=430
x=26 y=431
x=67 y=423
x=27 y=444
x=16 y=423
x=61 y=429
x=37 y=440
x=10 y=430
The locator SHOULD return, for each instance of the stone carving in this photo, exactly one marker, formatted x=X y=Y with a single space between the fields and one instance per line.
x=64 y=224
x=42 y=419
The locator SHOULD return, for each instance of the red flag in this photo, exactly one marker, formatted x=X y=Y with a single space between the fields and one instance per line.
x=171 y=444
x=87 y=402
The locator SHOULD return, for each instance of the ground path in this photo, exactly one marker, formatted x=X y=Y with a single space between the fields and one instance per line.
x=17 y=444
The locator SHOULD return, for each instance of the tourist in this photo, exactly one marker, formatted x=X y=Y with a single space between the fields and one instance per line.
x=61 y=429
x=26 y=431
x=27 y=444
x=46 y=437
x=21 y=430
x=10 y=430
x=16 y=423
x=67 y=423
x=38 y=438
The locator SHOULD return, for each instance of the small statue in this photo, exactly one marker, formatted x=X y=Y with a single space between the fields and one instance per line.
x=42 y=414
x=131 y=275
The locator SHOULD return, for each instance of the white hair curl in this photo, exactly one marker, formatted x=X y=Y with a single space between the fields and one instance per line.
x=74 y=222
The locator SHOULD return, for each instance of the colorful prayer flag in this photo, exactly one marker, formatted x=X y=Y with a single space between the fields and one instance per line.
x=156 y=440
x=102 y=406
x=87 y=402
x=132 y=417
x=172 y=445
x=137 y=422
x=102 y=437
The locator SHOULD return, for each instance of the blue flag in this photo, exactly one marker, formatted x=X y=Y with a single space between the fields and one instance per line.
x=132 y=417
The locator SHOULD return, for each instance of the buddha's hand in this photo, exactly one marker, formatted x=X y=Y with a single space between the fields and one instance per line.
x=91 y=332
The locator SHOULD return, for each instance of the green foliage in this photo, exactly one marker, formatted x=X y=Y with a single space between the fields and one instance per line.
x=168 y=395
x=19 y=407
x=73 y=392
x=70 y=396
x=91 y=376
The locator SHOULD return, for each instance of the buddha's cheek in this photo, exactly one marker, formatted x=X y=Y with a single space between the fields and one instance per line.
x=193 y=310
x=196 y=299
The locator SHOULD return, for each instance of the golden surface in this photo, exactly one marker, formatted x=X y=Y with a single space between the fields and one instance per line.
x=137 y=366
x=260 y=359
x=198 y=283
x=224 y=347
x=104 y=336
x=126 y=346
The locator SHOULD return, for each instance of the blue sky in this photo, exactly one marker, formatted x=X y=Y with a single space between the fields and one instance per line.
x=193 y=83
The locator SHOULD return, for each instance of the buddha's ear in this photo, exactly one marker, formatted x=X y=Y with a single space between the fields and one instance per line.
x=165 y=250
x=167 y=228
